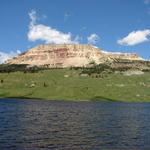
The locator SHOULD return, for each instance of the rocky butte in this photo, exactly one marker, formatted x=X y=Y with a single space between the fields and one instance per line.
x=67 y=55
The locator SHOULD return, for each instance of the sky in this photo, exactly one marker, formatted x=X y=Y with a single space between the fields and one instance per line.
x=112 y=25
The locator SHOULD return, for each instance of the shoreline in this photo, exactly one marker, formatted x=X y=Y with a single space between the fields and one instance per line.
x=42 y=99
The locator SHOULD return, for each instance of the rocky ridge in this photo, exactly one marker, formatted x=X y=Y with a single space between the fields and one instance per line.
x=67 y=55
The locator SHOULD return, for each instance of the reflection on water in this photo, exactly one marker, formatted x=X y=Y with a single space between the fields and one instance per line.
x=35 y=124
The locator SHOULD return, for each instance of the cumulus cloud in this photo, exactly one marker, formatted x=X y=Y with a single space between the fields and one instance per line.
x=93 y=38
x=49 y=35
x=8 y=55
x=46 y=33
x=135 y=37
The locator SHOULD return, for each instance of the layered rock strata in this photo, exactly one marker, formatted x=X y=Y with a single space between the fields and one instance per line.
x=67 y=55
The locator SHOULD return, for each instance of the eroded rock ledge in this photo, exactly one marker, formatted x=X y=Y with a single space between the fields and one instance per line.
x=67 y=55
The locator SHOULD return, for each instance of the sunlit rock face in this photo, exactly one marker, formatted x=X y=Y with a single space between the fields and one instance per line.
x=67 y=55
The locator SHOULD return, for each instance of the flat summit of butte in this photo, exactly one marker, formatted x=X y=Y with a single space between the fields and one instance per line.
x=67 y=55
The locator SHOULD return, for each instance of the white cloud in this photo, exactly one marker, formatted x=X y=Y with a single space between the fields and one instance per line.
x=32 y=16
x=93 y=38
x=18 y=51
x=46 y=33
x=49 y=35
x=77 y=39
x=8 y=55
x=135 y=37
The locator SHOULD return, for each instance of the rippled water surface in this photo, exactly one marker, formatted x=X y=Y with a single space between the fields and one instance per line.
x=39 y=124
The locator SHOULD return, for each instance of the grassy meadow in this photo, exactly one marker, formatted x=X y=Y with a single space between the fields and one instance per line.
x=67 y=84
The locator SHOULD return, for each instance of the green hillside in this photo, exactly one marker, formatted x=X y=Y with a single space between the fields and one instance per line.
x=74 y=84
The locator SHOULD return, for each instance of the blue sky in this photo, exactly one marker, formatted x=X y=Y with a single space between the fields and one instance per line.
x=113 y=25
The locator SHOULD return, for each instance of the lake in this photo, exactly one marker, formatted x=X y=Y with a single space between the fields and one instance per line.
x=70 y=125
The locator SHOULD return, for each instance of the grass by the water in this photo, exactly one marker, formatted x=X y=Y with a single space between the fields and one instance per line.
x=66 y=84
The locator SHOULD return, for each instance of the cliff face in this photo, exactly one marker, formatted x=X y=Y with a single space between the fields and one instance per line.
x=66 y=55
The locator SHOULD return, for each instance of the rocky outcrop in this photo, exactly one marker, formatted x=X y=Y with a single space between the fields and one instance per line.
x=67 y=55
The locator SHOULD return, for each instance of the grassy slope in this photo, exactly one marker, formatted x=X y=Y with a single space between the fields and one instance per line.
x=115 y=87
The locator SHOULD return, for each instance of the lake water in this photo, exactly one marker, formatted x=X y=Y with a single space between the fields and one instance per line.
x=39 y=124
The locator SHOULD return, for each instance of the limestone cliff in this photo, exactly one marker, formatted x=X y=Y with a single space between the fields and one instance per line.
x=67 y=55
